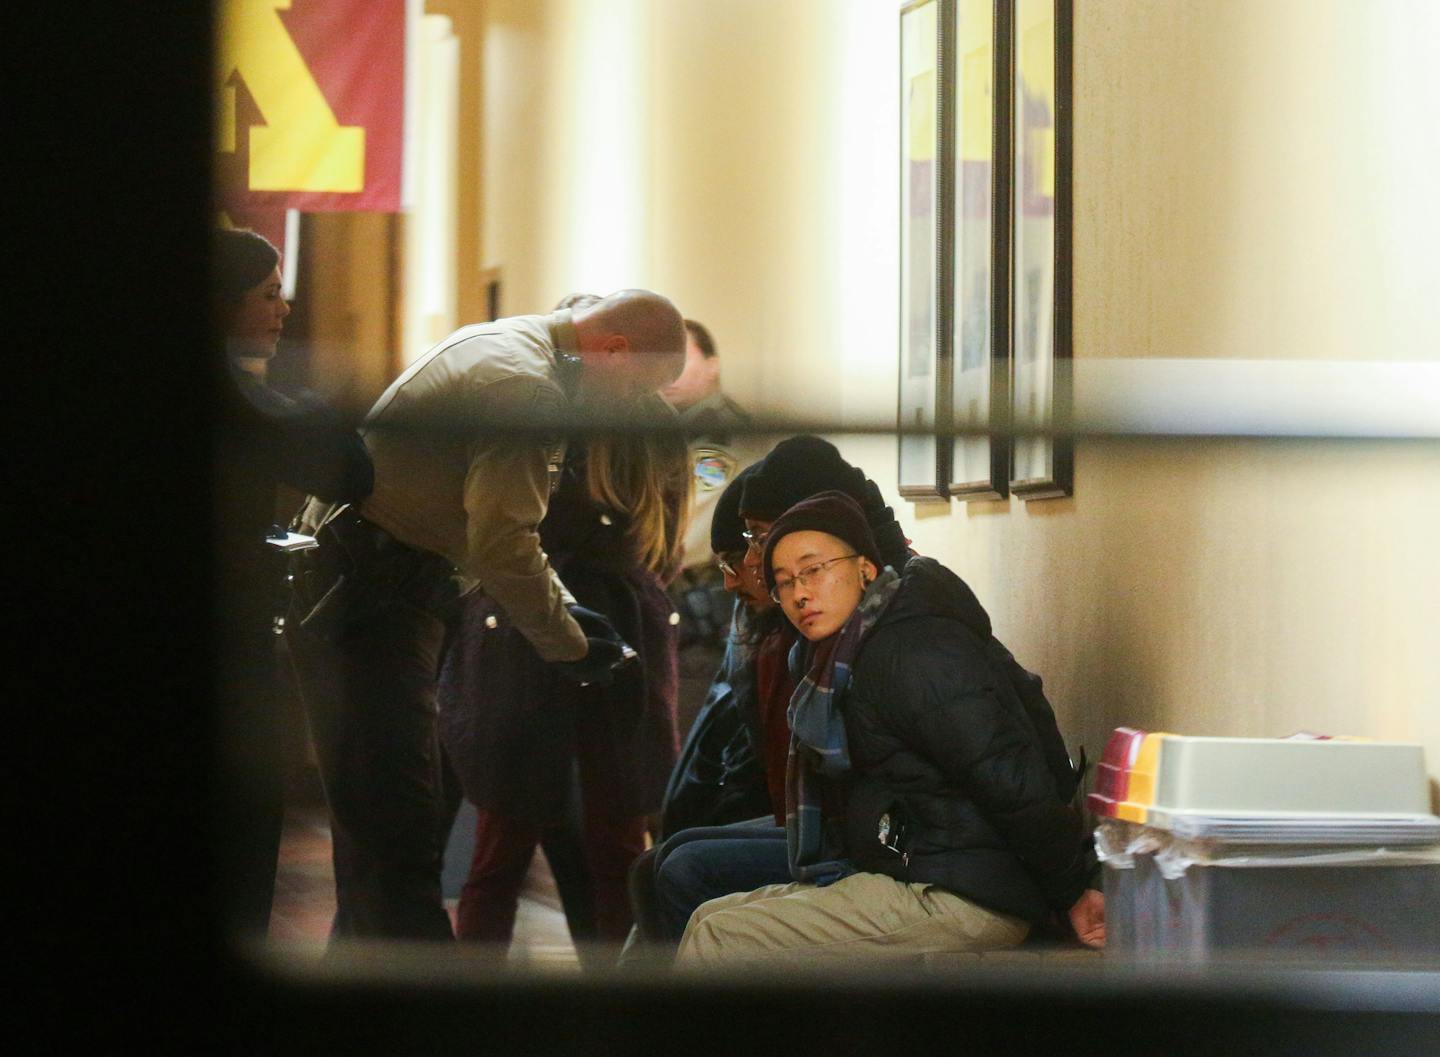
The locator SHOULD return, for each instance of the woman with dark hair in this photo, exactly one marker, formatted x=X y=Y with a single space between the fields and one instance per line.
x=265 y=438
x=928 y=791
x=248 y=304
x=296 y=438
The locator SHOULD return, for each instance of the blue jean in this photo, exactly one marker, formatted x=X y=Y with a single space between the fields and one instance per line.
x=697 y=865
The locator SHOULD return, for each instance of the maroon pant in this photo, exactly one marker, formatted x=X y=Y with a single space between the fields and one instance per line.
x=504 y=847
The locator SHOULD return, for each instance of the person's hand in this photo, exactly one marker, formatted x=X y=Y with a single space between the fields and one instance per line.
x=595 y=625
x=1087 y=918
x=598 y=666
x=607 y=652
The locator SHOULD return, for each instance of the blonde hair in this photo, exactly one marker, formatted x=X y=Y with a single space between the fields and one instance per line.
x=645 y=475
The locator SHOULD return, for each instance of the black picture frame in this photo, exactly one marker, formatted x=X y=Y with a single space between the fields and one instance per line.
x=1037 y=45
x=922 y=406
x=976 y=193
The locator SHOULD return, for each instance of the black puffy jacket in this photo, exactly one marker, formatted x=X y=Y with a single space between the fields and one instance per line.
x=956 y=743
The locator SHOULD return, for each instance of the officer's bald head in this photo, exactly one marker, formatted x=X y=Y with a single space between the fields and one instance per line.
x=631 y=342
x=649 y=322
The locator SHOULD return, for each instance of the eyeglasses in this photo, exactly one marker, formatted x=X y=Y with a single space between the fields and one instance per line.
x=755 y=538
x=728 y=566
x=807 y=577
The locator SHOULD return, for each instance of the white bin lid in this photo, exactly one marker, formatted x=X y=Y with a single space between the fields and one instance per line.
x=1293 y=791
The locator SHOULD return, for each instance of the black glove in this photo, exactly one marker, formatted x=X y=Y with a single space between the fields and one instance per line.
x=595 y=625
x=607 y=650
x=597 y=667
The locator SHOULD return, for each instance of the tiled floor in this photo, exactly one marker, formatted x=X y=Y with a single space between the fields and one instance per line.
x=305 y=885
x=304 y=882
x=305 y=903
x=305 y=898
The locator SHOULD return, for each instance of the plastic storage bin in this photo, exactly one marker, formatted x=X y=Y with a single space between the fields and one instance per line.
x=1193 y=901
x=1231 y=847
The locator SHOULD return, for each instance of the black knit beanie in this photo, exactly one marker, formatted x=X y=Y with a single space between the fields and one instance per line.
x=725 y=522
x=832 y=512
x=796 y=468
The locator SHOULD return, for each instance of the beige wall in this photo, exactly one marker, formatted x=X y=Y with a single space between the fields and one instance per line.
x=1250 y=183
x=1275 y=161
x=466 y=21
x=703 y=159
x=566 y=170
x=1247 y=186
x=1253 y=180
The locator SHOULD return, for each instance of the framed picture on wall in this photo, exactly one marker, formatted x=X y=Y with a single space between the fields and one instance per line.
x=976 y=188
x=1038 y=42
x=924 y=463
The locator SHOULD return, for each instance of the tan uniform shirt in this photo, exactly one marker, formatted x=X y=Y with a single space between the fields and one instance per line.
x=449 y=479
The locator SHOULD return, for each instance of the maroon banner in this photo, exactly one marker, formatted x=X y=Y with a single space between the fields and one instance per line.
x=311 y=108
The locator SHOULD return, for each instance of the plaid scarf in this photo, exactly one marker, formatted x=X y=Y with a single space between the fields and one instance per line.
x=819 y=752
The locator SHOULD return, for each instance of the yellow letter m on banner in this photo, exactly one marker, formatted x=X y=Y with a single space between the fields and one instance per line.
x=301 y=146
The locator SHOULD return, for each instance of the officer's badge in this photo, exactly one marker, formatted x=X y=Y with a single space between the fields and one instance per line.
x=712 y=468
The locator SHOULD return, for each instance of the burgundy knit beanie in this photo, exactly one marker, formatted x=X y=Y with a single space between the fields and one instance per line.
x=832 y=512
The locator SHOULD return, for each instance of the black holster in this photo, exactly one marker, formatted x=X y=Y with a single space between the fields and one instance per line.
x=358 y=570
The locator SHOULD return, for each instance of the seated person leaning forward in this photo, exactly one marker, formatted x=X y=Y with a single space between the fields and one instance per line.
x=718 y=791
x=928 y=789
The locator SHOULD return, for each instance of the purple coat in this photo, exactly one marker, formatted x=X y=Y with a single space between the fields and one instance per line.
x=512 y=726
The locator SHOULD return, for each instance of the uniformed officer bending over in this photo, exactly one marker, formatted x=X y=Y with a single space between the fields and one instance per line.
x=457 y=500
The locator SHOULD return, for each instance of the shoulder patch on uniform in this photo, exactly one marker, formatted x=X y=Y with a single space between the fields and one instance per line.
x=712 y=468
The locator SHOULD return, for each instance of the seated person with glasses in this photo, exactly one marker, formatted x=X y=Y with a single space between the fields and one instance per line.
x=794 y=470
x=928 y=790
x=668 y=883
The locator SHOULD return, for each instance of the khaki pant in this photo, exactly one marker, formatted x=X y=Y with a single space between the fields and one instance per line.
x=866 y=915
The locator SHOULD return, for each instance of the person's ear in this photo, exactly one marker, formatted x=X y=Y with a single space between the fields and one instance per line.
x=710 y=371
x=616 y=343
x=868 y=572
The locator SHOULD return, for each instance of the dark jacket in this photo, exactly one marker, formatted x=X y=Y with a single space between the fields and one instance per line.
x=294 y=438
x=264 y=439
x=267 y=438
x=723 y=774
x=955 y=741
x=512 y=724
x=720 y=777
